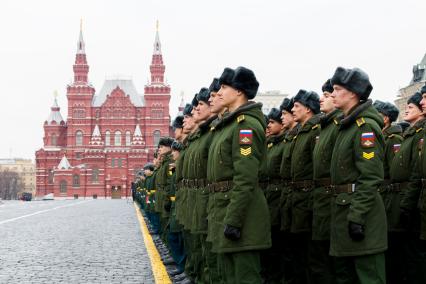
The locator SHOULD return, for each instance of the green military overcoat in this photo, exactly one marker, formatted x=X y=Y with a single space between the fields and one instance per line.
x=357 y=163
x=322 y=193
x=302 y=170
x=235 y=156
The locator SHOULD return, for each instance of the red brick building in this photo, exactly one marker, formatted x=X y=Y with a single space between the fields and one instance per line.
x=108 y=135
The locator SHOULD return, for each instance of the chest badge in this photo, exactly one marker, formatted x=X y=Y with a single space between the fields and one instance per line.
x=368 y=139
x=246 y=136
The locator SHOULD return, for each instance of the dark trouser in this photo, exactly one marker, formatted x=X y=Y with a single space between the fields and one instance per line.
x=189 y=264
x=197 y=258
x=321 y=264
x=299 y=243
x=210 y=259
x=396 y=265
x=155 y=223
x=271 y=259
x=240 y=267
x=164 y=223
x=365 y=269
x=177 y=249
x=415 y=250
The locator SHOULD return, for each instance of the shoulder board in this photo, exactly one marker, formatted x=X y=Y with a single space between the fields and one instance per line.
x=294 y=138
x=335 y=121
x=392 y=135
x=240 y=118
x=212 y=128
x=315 y=126
x=360 y=121
x=270 y=145
x=420 y=129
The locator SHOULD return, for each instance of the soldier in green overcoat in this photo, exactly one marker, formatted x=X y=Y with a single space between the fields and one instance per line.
x=305 y=110
x=272 y=269
x=163 y=184
x=198 y=157
x=401 y=238
x=358 y=218
x=321 y=263
x=239 y=224
x=193 y=255
x=291 y=127
x=393 y=138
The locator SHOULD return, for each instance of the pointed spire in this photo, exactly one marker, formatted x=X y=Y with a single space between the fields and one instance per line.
x=96 y=139
x=137 y=137
x=55 y=114
x=80 y=43
x=96 y=132
x=64 y=164
x=157 y=43
x=182 y=103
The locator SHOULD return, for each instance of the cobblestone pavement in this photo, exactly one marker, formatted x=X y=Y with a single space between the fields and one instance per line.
x=72 y=241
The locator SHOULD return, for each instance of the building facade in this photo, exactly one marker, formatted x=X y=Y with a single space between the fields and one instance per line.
x=417 y=82
x=270 y=99
x=25 y=169
x=108 y=135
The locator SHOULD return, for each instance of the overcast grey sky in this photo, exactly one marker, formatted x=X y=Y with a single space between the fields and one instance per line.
x=289 y=44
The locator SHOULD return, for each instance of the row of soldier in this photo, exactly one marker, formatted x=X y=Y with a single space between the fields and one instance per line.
x=326 y=189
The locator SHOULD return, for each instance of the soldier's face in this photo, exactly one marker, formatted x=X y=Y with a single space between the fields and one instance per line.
x=215 y=106
x=147 y=172
x=326 y=103
x=227 y=95
x=163 y=149
x=175 y=155
x=188 y=124
x=178 y=133
x=412 y=113
x=287 y=119
x=342 y=98
x=300 y=112
x=274 y=127
x=423 y=103
x=202 y=111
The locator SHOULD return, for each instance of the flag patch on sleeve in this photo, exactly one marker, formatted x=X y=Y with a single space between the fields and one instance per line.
x=396 y=148
x=368 y=139
x=246 y=137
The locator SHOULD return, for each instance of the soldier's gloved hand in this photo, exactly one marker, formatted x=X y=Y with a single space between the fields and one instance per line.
x=232 y=233
x=356 y=231
x=168 y=206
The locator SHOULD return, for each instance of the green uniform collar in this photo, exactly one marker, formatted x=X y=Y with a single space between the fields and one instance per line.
x=332 y=117
x=361 y=111
x=411 y=130
x=392 y=130
x=312 y=123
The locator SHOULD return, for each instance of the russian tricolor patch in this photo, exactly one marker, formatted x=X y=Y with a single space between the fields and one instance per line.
x=368 y=139
x=246 y=137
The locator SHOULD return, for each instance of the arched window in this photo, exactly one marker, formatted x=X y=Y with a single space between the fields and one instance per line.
x=117 y=138
x=95 y=175
x=127 y=138
x=79 y=138
x=107 y=138
x=50 y=177
x=54 y=139
x=63 y=186
x=156 y=137
x=75 y=181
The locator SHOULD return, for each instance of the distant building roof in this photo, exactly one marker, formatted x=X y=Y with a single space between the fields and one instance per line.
x=419 y=73
x=124 y=84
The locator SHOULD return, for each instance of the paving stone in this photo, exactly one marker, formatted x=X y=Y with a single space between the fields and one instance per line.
x=95 y=241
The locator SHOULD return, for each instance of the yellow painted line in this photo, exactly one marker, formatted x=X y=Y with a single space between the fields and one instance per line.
x=158 y=269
